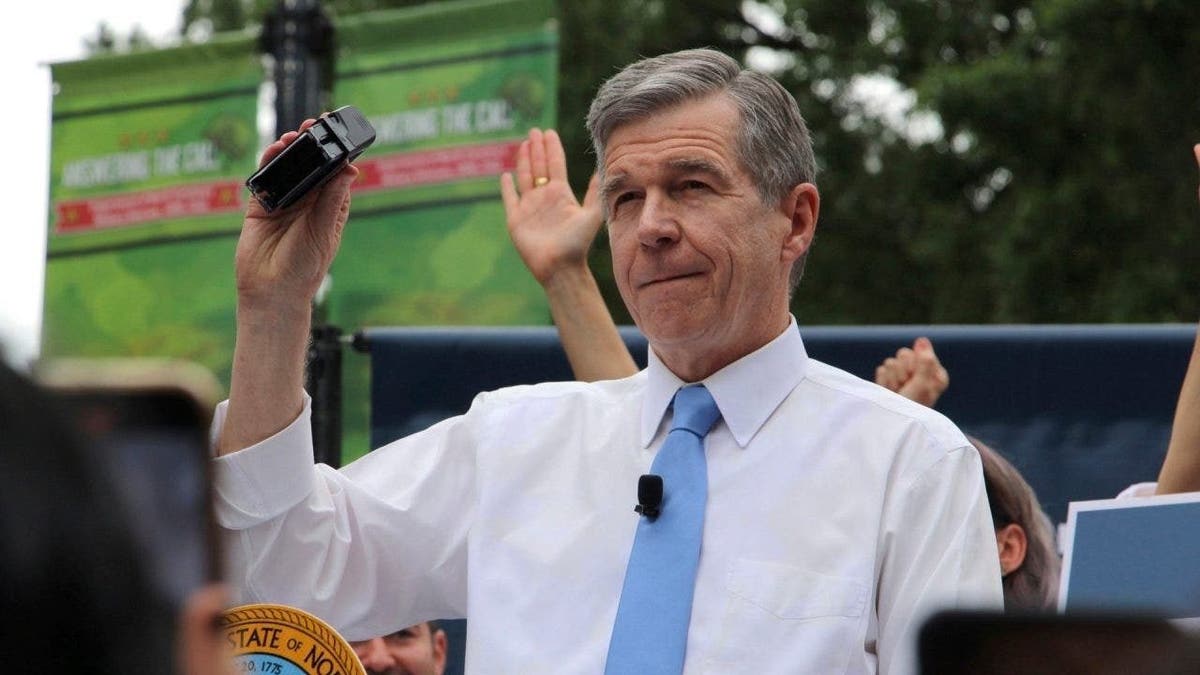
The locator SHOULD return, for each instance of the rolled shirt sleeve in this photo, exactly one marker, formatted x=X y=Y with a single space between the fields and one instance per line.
x=264 y=480
x=382 y=541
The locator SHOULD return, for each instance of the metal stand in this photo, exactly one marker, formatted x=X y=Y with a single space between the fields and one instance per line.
x=323 y=382
x=300 y=39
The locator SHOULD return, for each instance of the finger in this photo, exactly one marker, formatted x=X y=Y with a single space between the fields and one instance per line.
x=590 y=209
x=891 y=373
x=1196 y=152
x=891 y=381
x=556 y=157
x=524 y=175
x=926 y=368
x=272 y=150
x=923 y=348
x=907 y=359
x=508 y=193
x=591 y=199
x=289 y=136
x=922 y=345
x=283 y=141
x=883 y=377
x=931 y=379
x=537 y=154
x=331 y=198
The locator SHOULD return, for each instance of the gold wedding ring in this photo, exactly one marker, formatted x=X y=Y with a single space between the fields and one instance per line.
x=540 y=181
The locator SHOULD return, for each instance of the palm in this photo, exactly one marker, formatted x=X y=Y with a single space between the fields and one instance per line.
x=286 y=254
x=551 y=230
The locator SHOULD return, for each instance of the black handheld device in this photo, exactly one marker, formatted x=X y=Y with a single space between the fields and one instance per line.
x=962 y=642
x=148 y=420
x=336 y=139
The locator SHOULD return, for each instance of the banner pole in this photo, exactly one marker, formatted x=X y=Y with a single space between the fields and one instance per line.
x=299 y=36
x=323 y=381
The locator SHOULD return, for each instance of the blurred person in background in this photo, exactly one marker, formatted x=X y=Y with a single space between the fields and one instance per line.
x=1029 y=562
x=419 y=649
x=76 y=593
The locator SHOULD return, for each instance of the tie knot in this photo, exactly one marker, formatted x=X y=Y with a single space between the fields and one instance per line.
x=695 y=410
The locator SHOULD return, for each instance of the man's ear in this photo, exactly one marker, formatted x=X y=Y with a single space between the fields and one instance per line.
x=440 y=644
x=801 y=205
x=1012 y=543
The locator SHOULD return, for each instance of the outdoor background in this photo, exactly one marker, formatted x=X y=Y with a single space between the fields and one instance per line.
x=980 y=162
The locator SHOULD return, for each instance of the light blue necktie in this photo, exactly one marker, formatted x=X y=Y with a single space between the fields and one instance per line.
x=650 y=633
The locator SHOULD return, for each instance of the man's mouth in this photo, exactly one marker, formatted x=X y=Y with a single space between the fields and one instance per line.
x=670 y=277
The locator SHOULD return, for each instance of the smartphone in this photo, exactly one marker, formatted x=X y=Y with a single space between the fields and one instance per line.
x=336 y=139
x=149 y=419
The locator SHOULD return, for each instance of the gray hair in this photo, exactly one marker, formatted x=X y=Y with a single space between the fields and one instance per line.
x=774 y=146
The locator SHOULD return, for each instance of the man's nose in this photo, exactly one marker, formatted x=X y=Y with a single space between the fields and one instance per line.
x=374 y=654
x=658 y=223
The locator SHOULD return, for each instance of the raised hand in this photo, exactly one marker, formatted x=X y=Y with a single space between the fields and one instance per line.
x=1181 y=467
x=283 y=256
x=915 y=373
x=281 y=259
x=551 y=230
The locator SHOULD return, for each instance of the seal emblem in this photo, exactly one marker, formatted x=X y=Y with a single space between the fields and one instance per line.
x=280 y=640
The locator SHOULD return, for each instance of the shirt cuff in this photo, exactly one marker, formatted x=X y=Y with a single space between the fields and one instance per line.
x=263 y=481
x=1138 y=490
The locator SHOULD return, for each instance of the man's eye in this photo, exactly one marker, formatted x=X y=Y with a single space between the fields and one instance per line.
x=624 y=197
x=693 y=185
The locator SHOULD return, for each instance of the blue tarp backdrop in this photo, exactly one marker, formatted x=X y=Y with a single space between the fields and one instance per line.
x=1082 y=411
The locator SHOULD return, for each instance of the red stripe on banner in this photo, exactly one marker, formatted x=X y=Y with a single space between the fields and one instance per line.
x=198 y=199
x=426 y=167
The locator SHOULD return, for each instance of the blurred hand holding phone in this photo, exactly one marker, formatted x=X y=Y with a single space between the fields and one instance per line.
x=149 y=418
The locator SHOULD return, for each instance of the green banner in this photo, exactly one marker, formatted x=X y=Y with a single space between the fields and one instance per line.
x=451 y=89
x=148 y=155
x=150 y=152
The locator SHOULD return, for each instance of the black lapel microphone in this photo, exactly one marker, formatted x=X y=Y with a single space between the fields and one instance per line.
x=650 y=495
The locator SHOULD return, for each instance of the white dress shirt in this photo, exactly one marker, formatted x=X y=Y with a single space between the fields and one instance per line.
x=839 y=515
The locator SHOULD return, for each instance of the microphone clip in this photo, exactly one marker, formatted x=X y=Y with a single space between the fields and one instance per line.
x=650 y=496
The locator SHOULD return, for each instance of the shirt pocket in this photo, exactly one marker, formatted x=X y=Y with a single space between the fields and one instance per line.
x=781 y=618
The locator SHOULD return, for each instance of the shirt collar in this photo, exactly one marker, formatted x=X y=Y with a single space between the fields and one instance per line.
x=747 y=391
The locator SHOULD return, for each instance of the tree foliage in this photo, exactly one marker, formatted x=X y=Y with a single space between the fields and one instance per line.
x=1037 y=169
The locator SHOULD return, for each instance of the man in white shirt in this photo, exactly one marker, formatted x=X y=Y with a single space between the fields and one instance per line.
x=838 y=515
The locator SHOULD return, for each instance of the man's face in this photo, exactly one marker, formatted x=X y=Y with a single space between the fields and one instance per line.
x=700 y=261
x=412 y=651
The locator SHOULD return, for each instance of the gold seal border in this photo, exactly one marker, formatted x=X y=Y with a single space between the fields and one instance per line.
x=300 y=620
